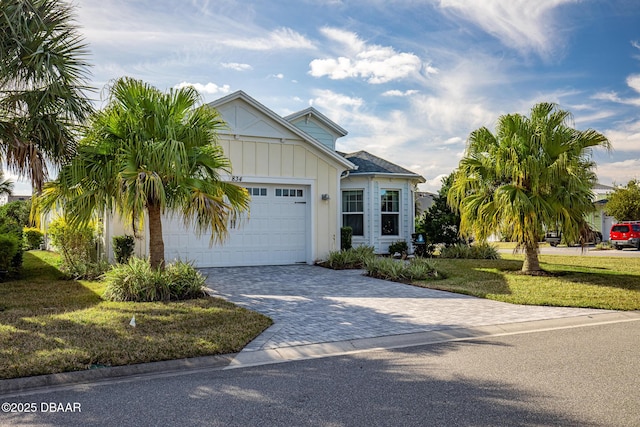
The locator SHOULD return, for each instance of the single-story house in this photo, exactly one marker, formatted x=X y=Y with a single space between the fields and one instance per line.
x=303 y=191
x=599 y=220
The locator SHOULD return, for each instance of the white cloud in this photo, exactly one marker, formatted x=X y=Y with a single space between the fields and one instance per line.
x=279 y=76
x=456 y=140
x=593 y=117
x=237 y=66
x=373 y=63
x=625 y=138
x=614 y=97
x=399 y=93
x=208 y=88
x=452 y=114
x=282 y=38
x=633 y=81
x=521 y=24
x=619 y=172
x=335 y=104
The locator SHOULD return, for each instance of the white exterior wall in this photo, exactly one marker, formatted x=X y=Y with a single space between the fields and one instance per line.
x=372 y=187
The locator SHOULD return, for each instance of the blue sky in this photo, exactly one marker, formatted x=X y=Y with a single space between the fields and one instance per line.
x=409 y=79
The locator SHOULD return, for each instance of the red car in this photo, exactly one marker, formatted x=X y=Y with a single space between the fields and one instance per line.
x=625 y=234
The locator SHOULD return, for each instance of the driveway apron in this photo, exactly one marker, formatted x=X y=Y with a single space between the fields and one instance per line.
x=311 y=305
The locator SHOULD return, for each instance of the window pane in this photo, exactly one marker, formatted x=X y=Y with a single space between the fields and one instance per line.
x=278 y=192
x=263 y=191
x=355 y=221
x=390 y=225
x=285 y=192
x=299 y=193
x=352 y=201
x=390 y=201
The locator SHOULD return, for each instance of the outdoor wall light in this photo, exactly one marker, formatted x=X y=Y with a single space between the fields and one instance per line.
x=325 y=197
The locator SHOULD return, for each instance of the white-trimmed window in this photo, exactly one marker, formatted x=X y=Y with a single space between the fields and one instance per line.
x=390 y=212
x=289 y=192
x=353 y=211
x=256 y=191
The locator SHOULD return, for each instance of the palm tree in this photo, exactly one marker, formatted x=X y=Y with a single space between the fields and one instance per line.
x=535 y=172
x=42 y=75
x=150 y=153
x=6 y=185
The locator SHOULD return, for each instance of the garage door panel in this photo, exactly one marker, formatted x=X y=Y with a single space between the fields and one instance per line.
x=275 y=232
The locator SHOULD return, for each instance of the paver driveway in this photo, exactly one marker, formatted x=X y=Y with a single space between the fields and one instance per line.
x=311 y=304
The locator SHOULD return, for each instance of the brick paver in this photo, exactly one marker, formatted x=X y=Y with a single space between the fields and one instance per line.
x=311 y=305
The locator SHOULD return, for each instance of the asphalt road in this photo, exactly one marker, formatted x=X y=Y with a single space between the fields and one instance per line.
x=584 y=376
x=588 y=251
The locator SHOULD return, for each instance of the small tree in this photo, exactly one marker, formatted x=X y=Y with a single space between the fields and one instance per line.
x=9 y=247
x=33 y=238
x=13 y=217
x=123 y=247
x=440 y=224
x=77 y=245
x=624 y=202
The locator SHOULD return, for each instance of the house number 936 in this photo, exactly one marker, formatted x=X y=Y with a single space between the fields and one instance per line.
x=236 y=178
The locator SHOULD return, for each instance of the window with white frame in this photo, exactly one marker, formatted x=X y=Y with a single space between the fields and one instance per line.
x=390 y=212
x=353 y=211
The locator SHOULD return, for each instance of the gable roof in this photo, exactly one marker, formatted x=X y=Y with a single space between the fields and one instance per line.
x=340 y=132
x=598 y=186
x=282 y=122
x=368 y=164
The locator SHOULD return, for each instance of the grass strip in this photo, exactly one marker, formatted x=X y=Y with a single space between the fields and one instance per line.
x=576 y=281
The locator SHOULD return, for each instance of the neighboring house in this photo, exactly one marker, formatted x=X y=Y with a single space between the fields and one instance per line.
x=6 y=198
x=598 y=219
x=302 y=190
x=424 y=201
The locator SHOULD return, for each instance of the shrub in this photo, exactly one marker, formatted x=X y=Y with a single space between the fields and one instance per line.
x=476 y=251
x=400 y=271
x=123 y=247
x=9 y=247
x=135 y=281
x=346 y=233
x=350 y=258
x=33 y=238
x=77 y=245
x=603 y=246
x=138 y=281
x=184 y=281
x=398 y=247
x=485 y=250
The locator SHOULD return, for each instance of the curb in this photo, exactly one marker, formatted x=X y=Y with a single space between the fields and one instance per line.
x=14 y=385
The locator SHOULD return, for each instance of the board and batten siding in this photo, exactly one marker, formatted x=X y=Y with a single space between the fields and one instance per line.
x=256 y=160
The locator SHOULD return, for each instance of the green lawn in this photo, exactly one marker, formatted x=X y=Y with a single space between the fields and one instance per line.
x=50 y=325
x=577 y=281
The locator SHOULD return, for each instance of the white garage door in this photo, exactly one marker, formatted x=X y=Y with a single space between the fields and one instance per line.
x=275 y=232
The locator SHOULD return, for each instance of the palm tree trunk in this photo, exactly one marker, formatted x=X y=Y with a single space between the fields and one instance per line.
x=531 y=263
x=156 y=243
